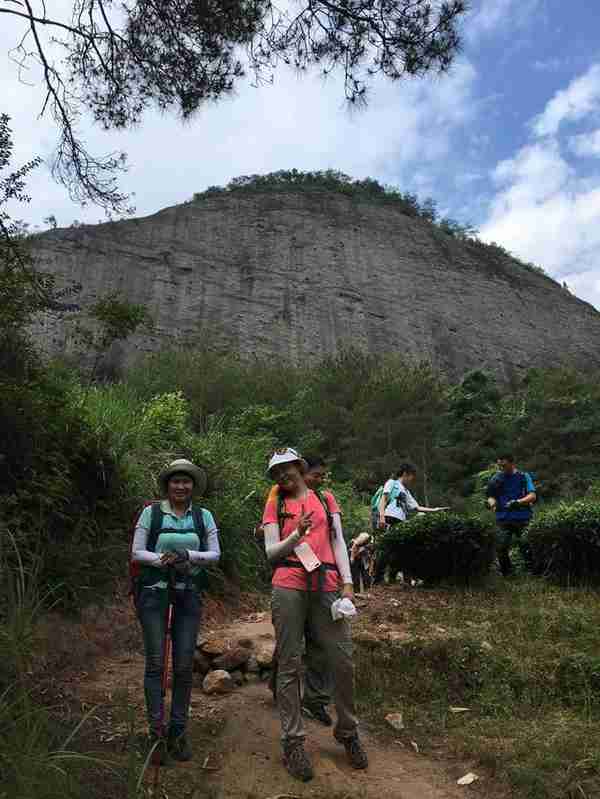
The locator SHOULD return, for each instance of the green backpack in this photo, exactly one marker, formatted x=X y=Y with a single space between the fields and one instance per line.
x=376 y=499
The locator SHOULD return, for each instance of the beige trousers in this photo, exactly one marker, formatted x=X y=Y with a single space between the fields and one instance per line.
x=292 y=609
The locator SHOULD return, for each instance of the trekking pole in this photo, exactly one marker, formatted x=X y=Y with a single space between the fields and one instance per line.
x=165 y=671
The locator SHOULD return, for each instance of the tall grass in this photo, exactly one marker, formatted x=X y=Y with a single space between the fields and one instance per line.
x=39 y=756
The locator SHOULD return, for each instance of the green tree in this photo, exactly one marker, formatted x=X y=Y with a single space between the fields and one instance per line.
x=113 y=319
x=24 y=292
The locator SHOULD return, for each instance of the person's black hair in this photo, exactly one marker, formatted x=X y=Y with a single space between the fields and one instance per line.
x=313 y=461
x=407 y=468
x=506 y=456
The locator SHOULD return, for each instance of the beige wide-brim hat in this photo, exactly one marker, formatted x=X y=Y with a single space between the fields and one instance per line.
x=286 y=455
x=183 y=466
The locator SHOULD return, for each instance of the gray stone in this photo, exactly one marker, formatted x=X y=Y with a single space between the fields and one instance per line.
x=395 y=721
x=300 y=275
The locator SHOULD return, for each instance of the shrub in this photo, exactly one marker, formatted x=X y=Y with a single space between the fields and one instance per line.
x=565 y=543
x=441 y=546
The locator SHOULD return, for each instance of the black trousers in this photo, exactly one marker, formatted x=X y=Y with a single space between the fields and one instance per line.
x=382 y=562
x=506 y=535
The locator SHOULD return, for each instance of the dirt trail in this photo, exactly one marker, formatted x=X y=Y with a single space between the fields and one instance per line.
x=237 y=751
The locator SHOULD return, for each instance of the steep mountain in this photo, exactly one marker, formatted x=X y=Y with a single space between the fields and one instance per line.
x=299 y=274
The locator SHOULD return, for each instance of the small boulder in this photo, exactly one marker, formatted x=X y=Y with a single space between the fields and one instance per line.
x=201 y=662
x=395 y=721
x=264 y=655
x=218 y=682
x=233 y=659
x=214 y=647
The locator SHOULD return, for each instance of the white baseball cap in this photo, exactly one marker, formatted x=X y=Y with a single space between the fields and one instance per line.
x=286 y=455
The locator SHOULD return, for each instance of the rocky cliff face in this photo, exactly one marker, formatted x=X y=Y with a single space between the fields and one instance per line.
x=305 y=274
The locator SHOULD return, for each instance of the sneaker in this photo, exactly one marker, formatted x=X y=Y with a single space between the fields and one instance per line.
x=179 y=747
x=354 y=749
x=297 y=761
x=318 y=713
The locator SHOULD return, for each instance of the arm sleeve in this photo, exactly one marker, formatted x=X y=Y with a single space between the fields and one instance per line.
x=139 y=552
x=411 y=502
x=529 y=483
x=387 y=488
x=275 y=548
x=212 y=553
x=340 y=550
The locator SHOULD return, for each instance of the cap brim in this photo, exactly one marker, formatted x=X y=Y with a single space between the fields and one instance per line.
x=198 y=476
x=302 y=463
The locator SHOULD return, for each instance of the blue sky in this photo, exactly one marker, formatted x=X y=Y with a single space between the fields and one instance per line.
x=509 y=141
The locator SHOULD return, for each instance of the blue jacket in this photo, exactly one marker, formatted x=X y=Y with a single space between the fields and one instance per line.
x=504 y=488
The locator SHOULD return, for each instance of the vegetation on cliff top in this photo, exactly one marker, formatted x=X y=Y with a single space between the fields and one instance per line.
x=369 y=189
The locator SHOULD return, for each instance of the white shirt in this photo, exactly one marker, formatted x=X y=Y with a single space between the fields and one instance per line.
x=389 y=486
x=397 y=509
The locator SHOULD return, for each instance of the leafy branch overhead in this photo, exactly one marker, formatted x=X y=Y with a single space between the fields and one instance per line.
x=117 y=61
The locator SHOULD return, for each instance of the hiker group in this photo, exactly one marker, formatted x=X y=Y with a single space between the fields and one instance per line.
x=315 y=576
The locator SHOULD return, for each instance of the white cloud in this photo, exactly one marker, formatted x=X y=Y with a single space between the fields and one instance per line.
x=572 y=104
x=488 y=16
x=544 y=211
x=586 y=144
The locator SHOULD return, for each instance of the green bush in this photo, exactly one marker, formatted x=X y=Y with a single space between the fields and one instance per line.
x=441 y=546
x=565 y=543
x=58 y=485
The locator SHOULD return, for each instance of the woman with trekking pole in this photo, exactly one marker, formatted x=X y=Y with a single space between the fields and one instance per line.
x=174 y=541
x=305 y=544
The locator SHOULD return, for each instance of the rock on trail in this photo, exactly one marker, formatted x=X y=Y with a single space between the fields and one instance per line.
x=235 y=738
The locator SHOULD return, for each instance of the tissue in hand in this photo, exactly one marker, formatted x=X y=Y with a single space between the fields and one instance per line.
x=343 y=609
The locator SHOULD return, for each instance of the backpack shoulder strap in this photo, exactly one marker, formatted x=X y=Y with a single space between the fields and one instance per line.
x=523 y=478
x=155 y=526
x=280 y=510
x=198 y=516
x=325 y=503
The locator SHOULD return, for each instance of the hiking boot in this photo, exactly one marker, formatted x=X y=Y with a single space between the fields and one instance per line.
x=160 y=755
x=297 y=761
x=357 y=756
x=179 y=747
x=318 y=713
